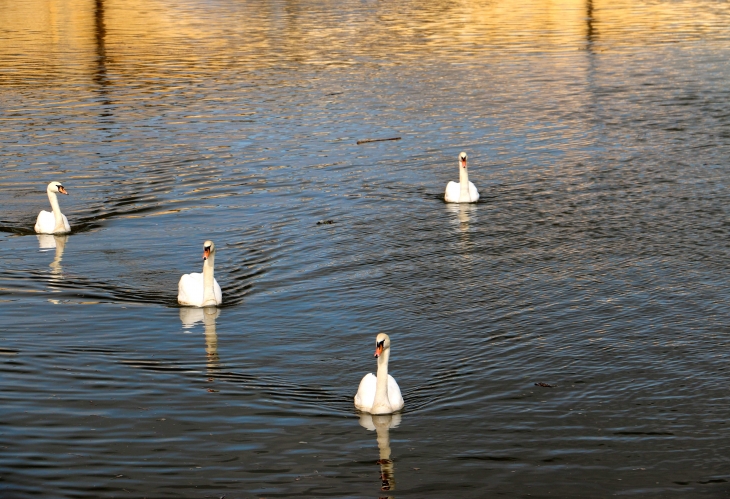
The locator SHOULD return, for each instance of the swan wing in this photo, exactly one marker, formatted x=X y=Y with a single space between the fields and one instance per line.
x=366 y=393
x=45 y=223
x=190 y=290
x=394 y=396
x=218 y=292
x=453 y=191
x=65 y=223
x=473 y=193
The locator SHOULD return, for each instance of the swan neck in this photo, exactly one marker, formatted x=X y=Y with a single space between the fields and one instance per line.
x=381 y=384
x=57 y=215
x=208 y=280
x=463 y=184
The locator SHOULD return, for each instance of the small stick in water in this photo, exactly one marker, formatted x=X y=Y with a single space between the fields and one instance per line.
x=365 y=141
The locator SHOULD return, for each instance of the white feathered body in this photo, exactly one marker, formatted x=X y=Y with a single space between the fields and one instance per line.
x=453 y=193
x=365 y=396
x=190 y=290
x=46 y=223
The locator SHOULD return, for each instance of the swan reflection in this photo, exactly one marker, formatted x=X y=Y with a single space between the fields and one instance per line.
x=464 y=213
x=382 y=425
x=51 y=241
x=191 y=316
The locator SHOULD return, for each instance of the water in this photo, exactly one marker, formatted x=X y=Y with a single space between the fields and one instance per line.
x=596 y=260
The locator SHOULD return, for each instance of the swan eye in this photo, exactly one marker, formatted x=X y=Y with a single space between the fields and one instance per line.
x=207 y=248
x=379 y=344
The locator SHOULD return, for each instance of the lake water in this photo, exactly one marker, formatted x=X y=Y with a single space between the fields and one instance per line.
x=596 y=261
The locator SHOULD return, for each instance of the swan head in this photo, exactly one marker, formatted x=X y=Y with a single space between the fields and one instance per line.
x=382 y=343
x=208 y=249
x=56 y=187
x=462 y=160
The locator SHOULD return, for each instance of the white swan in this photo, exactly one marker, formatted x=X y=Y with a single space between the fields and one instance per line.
x=53 y=222
x=462 y=191
x=381 y=394
x=201 y=290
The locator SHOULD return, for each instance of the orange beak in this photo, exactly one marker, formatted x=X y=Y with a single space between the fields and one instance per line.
x=463 y=163
x=206 y=253
x=62 y=190
x=378 y=350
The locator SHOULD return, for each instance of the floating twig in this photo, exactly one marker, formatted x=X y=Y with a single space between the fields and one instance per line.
x=544 y=385
x=365 y=141
x=325 y=222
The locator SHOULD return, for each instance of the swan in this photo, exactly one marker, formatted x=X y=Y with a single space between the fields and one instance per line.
x=201 y=290
x=381 y=394
x=462 y=191
x=53 y=222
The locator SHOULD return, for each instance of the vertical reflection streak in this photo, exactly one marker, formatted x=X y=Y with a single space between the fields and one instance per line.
x=190 y=316
x=100 y=75
x=213 y=362
x=382 y=425
x=464 y=212
x=589 y=25
x=58 y=243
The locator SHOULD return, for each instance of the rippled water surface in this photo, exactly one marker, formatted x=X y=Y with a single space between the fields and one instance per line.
x=596 y=260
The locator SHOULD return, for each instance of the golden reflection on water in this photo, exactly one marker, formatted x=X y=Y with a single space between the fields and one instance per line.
x=46 y=38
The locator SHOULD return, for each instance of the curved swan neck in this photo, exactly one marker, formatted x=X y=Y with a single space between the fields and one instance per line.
x=208 y=280
x=381 y=385
x=463 y=183
x=57 y=215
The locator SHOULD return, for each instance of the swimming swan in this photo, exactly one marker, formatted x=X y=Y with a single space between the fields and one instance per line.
x=53 y=222
x=201 y=290
x=381 y=394
x=462 y=191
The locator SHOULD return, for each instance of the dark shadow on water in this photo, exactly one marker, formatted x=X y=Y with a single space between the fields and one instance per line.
x=590 y=30
x=100 y=76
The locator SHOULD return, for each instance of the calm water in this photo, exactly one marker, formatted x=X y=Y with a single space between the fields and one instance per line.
x=597 y=260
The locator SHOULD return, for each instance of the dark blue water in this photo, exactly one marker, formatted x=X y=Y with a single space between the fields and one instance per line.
x=596 y=260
